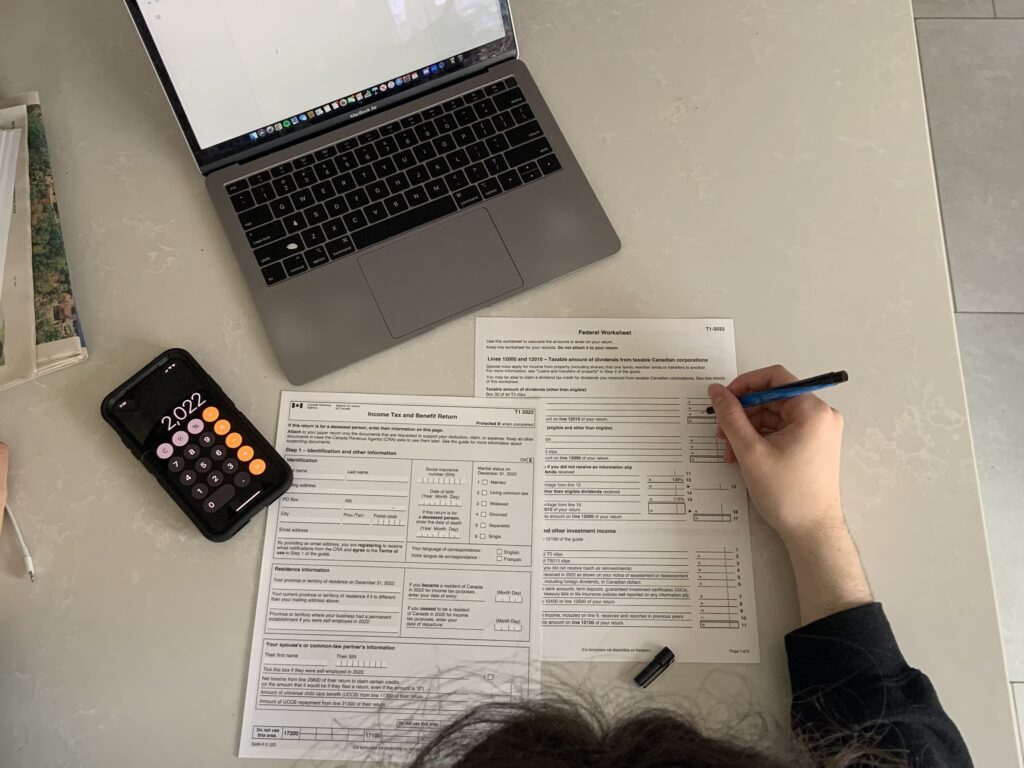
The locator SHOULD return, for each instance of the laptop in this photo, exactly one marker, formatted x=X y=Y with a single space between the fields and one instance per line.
x=379 y=166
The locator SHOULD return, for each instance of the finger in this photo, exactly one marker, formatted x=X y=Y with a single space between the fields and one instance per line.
x=730 y=455
x=763 y=378
x=767 y=421
x=801 y=408
x=741 y=434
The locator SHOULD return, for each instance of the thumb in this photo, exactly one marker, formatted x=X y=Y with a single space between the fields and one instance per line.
x=733 y=420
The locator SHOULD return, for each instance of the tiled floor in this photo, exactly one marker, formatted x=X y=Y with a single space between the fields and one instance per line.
x=972 y=59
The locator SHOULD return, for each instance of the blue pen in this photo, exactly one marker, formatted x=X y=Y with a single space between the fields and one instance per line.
x=795 y=389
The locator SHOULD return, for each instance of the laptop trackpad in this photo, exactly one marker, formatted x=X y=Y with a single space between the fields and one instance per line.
x=439 y=272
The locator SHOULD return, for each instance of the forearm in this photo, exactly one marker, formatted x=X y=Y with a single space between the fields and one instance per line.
x=828 y=571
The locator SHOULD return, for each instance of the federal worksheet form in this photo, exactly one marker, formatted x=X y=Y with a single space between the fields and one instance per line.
x=645 y=538
x=397 y=574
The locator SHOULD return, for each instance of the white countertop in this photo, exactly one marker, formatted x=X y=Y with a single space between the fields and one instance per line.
x=762 y=161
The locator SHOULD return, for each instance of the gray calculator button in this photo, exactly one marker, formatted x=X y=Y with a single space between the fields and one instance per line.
x=204 y=465
x=191 y=452
x=230 y=466
x=200 y=491
x=176 y=464
x=219 y=498
x=242 y=479
x=215 y=479
x=207 y=439
x=218 y=452
x=188 y=477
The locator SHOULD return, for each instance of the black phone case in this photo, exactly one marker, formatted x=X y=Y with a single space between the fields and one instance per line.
x=147 y=459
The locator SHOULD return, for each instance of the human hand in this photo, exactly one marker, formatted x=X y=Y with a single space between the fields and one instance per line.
x=788 y=452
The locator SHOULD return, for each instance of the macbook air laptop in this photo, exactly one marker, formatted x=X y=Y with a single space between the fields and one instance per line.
x=379 y=166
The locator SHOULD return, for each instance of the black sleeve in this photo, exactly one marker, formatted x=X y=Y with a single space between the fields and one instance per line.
x=850 y=681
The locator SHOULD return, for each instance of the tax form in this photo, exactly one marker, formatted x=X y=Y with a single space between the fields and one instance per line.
x=397 y=578
x=645 y=538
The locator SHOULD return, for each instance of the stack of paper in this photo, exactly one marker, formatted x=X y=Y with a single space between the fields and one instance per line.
x=40 y=330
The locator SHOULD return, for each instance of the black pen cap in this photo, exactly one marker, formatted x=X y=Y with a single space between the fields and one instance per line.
x=652 y=671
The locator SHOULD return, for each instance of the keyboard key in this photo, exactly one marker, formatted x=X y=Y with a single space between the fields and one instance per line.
x=357 y=198
x=432 y=112
x=386 y=146
x=426 y=131
x=436 y=188
x=484 y=128
x=489 y=188
x=407 y=139
x=384 y=167
x=468 y=196
x=511 y=82
x=255 y=216
x=284 y=185
x=457 y=159
x=369 y=136
x=474 y=96
x=364 y=175
x=348 y=145
x=340 y=247
x=366 y=154
x=529 y=171
x=304 y=161
x=323 y=190
x=493 y=88
x=452 y=104
x=508 y=99
x=294 y=265
x=278 y=250
x=282 y=206
x=484 y=108
x=336 y=206
x=416 y=196
x=354 y=220
x=317 y=257
x=344 y=183
x=495 y=165
x=303 y=199
x=456 y=180
x=549 y=164
x=463 y=136
x=304 y=177
x=477 y=151
x=404 y=160
x=476 y=172
x=378 y=190
x=265 y=234
x=325 y=170
x=375 y=212
x=438 y=167
x=445 y=124
x=497 y=144
x=397 y=183
x=396 y=204
x=346 y=162
x=390 y=128
x=403 y=222
x=465 y=116
x=524 y=133
x=529 y=151
x=281 y=170
x=313 y=236
x=324 y=152
x=317 y=214
x=424 y=152
x=294 y=222
x=243 y=201
x=259 y=178
x=418 y=174
x=509 y=180
x=334 y=228
x=443 y=145
x=503 y=121
x=411 y=120
x=264 y=193
x=273 y=274
x=522 y=114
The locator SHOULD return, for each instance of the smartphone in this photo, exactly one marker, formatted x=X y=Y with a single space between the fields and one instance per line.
x=203 y=451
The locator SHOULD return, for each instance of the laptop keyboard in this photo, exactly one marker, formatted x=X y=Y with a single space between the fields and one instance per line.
x=323 y=206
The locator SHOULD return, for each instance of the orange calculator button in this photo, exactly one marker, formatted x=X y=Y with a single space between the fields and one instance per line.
x=245 y=453
x=233 y=440
x=222 y=427
x=210 y=414
x=257 y=467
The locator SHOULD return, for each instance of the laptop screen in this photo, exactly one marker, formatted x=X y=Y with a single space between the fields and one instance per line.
x=247 y=74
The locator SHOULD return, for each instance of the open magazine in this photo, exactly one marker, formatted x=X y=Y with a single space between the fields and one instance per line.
x=40 y=330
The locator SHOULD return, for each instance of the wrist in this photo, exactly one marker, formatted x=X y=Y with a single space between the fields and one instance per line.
x=820 y=533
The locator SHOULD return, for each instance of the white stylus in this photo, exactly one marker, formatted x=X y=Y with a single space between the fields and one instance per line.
x=21 y=543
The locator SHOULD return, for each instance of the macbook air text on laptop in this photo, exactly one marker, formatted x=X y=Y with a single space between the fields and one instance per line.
x=379 y=166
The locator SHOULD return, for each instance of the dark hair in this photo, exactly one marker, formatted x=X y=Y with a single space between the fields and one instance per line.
x=558 y=733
